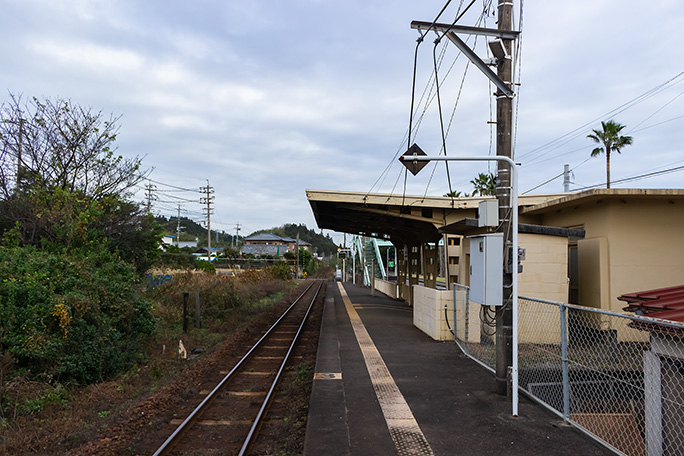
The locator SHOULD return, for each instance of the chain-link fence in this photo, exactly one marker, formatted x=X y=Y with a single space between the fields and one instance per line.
x=618 y=377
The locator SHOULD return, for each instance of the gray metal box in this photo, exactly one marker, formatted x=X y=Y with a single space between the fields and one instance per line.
x=488 y=213
x=486 y=269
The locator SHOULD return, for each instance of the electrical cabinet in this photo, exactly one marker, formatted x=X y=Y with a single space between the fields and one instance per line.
x=486 y=269
x=488 y=213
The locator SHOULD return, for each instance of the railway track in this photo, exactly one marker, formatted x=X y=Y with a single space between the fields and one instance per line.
x=229 y=417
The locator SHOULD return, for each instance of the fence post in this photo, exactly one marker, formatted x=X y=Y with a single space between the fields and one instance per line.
x=564 y=362
x=186 y=296
x=467 y=316
x=455 y=321
x=198 y=321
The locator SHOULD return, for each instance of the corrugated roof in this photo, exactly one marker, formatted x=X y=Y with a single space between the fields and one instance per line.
x=666 y=303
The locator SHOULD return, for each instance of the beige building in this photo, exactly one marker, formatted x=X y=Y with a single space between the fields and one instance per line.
x=584 y=248
x=633 y=241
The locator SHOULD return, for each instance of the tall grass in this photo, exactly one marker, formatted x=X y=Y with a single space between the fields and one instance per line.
x=226 y=303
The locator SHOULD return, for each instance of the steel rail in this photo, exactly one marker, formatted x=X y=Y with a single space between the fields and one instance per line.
x=267 y=401
x=166 y=446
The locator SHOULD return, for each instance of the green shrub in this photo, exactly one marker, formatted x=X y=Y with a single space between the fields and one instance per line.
x=205 y=266
x=78 y=320
x=279 y=271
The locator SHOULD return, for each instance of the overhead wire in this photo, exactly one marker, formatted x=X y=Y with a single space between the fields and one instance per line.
x=413 y=85
x=555 y=144
x=656 y=112
x=517 y=81
x=407 y=135
x=445 y=133
x=658 y=124
x=660 y=88
x=634 y=178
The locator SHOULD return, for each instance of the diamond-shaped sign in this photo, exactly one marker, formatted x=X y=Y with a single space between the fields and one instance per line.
x=413 y=165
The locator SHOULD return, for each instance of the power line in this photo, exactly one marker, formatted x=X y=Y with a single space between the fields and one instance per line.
x=172 y=186
x=634 y=178
x=579 y=131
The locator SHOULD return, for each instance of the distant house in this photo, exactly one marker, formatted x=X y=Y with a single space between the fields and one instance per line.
x=202 y=253
x=264 y=244
x=169 y=240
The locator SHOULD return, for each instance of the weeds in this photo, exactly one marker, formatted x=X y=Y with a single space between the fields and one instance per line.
x=63 y=418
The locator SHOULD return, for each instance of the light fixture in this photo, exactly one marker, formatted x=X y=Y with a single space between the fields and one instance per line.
x=498 y=49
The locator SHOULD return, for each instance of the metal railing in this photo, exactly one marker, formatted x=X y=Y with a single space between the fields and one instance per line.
x=617 y=377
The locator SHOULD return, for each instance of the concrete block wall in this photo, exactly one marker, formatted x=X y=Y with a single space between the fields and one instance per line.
x=428 y=311
x=387 y=288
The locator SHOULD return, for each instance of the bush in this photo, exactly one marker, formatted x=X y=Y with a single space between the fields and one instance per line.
x=279 y=271
x=205 y=266
x=79 y=320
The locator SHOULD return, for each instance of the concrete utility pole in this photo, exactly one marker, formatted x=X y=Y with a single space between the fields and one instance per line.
x=566 y=178
x=504 y=125
x=208 y=190
x=237 y=233
x=150 y=188
x=178 y=227
x=297 y=258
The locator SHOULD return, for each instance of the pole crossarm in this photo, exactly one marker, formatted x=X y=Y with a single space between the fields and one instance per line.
x=503 y=34
x=479 y=63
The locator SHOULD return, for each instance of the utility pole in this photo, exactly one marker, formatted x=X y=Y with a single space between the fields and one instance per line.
x=207 y=199
x=237 y=233
x=178 y=227
x=504 y=125
x=20 y=173
x=150 y=188
x=297 y=258
x=501 y=47
x=566 y=178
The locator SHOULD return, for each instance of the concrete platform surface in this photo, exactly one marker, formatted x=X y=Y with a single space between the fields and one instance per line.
x=382 y=387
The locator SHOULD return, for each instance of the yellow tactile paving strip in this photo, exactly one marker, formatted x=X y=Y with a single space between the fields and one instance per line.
x=403 y=427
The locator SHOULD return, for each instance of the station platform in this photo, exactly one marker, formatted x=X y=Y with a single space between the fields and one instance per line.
x=382 y=387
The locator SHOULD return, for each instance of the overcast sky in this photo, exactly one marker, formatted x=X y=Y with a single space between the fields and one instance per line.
x=266 y=98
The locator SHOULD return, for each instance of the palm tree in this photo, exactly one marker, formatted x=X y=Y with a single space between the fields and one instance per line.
x=455 y=194
x=485 y=184
x=611 y=140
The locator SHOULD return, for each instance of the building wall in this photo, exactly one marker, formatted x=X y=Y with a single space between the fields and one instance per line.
x=545 y=267
x=453 y=258
x=631 y=244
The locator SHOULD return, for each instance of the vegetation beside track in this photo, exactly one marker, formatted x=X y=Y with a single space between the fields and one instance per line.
x=42 y=416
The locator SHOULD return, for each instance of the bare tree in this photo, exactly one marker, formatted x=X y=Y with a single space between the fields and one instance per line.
x=56 y=144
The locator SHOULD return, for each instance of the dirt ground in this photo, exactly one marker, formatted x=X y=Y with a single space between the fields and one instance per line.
x=121 y=417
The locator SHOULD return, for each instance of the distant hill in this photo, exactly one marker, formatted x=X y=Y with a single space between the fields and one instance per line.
x=322 y=244
x=191 y=230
